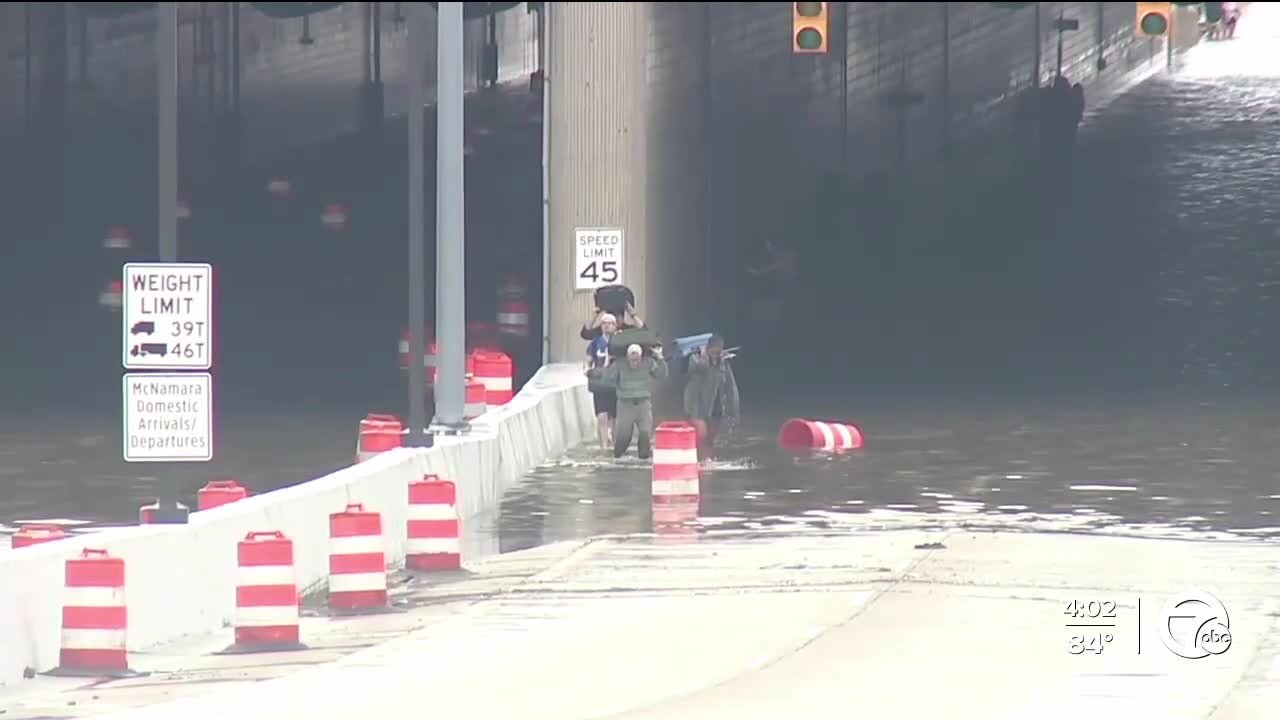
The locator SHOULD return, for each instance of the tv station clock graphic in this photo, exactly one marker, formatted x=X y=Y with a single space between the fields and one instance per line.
x=168 y=316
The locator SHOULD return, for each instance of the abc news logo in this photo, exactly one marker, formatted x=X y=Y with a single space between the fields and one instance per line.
x=1195 y=625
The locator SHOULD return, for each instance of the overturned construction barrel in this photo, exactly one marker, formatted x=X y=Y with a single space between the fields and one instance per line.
x=797 y=434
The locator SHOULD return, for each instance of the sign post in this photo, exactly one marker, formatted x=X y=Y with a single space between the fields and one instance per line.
x=167 y=313
x=417 y=41
x=599 y=255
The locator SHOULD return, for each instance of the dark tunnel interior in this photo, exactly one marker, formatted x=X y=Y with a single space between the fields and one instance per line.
x=1036 y=275
x=307 y=312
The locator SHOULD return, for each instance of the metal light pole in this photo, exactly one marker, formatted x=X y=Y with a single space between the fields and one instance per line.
x=167 y=509
x=167 y=120
x=450 y=245
x=417 y=41
x=544 y=52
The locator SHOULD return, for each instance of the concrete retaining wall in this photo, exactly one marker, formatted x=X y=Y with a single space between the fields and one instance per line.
x=180 y=580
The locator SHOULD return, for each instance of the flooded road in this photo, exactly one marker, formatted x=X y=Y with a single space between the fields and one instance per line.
x=1087 y=466
x=1110 y=360
x=76 y=475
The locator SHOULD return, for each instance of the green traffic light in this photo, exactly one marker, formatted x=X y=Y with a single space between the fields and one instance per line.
x=1154 y=24
x=809 y=39
x=1213 y=12
x=808 y=9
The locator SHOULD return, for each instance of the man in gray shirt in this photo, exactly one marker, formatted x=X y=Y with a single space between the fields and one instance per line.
x=632 y=380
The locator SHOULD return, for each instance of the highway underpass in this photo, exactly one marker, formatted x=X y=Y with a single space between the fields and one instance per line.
x=729 y=137
x=1089 y=351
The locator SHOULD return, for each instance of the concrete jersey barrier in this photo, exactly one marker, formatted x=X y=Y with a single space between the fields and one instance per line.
x=180 y=580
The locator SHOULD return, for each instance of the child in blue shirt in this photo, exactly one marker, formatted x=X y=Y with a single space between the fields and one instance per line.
x=604 y=396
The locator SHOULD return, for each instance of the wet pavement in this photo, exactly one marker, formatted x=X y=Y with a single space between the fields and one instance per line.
x=203 y=664
x=1120 y=371
x=755 y=625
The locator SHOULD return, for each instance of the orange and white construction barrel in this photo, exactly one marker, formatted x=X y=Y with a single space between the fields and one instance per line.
x=279 y=187
x=220 y=492
x=430 y=350
x=36 y=534
x=334 y=217
x=797 y=434
x=513 y=318
x=266 y=616
x=357 y=560
x=434 y=540
x=95 y=618
x=494 y=370
x=112 y=296
x=378 y=433
x=675 y=463
x=118 y=238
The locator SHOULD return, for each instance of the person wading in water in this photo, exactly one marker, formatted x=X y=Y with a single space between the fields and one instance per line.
x=711 y=395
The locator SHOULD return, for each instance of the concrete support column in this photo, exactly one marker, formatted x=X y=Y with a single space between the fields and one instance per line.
x=597 y=150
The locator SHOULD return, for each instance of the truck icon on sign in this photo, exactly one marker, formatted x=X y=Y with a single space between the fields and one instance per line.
x=145 y=327
x=146 y=349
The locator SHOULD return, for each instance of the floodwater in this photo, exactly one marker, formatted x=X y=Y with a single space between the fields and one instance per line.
x=1112 y=365
x=1085 y=465
x=77 y=477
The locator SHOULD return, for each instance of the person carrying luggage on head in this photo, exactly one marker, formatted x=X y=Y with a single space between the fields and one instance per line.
x=632 y=380
x=711 y=394
x=615 y=300
x=603 y=396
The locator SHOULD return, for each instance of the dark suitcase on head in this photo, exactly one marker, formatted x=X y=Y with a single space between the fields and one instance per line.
x=614 y=299
x=644 y=337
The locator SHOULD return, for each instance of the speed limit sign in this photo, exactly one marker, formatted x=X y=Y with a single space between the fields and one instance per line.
x=599 y=253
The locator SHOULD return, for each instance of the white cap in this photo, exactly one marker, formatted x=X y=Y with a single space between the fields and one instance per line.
x=634 y=349
x=608 y=317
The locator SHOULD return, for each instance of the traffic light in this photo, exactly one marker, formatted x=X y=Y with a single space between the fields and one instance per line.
x=1213 y=12
x=1152 y=19
x=809 y=28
